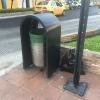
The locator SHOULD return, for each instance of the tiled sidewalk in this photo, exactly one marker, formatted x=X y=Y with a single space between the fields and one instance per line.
x=32 y=84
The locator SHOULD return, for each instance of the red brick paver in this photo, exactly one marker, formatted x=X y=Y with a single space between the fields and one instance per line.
x=31 y=84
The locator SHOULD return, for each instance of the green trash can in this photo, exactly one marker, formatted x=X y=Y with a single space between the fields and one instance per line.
x=36 y=38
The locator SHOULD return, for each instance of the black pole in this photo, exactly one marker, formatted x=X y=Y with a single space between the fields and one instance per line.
x=81 y=39
x=27 y=4
x=74 y=85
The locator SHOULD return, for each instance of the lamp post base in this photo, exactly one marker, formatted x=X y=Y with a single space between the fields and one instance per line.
x=80 y=89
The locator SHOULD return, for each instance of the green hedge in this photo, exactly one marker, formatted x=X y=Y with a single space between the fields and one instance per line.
x=92 y=43
x=15 y=10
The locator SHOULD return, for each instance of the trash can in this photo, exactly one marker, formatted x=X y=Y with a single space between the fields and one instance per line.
x=41 y=47
x=36 y=38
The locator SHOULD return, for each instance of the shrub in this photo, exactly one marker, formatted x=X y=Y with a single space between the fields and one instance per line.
x=15 y=10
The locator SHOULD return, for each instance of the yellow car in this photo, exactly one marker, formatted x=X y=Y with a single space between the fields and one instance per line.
x=50 y=6
x=64 y=4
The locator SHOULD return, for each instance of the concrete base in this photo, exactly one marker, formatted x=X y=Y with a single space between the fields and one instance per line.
x=80 y=89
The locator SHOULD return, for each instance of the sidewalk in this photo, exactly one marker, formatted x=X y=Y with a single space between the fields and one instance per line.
x=31 y=84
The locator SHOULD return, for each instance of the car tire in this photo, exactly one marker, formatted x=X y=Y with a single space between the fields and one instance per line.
x=64 y=12
x=70 y=8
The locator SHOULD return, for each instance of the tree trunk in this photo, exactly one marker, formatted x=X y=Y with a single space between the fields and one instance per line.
x=12 y=3
x=27 y=4
x=22 y=3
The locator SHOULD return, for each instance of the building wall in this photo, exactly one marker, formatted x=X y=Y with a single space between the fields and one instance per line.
x=8 y=2
x=17 y=4
x=0 y=5
x=23 y=5
x=20 y=5
x=30 y=1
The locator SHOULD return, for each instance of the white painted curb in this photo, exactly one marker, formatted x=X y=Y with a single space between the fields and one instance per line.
x=6 y=70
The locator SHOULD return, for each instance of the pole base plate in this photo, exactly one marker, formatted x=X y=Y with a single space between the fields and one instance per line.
x=80 y=89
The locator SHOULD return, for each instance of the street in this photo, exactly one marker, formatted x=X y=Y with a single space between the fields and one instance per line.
x=71 y=26
x=73 y=14
x=10 y=45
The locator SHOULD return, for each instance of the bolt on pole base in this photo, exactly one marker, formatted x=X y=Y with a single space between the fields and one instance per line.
x=80 y=89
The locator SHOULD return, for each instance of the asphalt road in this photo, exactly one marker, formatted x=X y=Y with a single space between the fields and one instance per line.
x=10 y=45
x=71 y=26
x=73 y=14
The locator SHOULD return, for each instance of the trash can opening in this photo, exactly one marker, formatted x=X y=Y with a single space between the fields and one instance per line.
x=36 y=35
x=37 y=31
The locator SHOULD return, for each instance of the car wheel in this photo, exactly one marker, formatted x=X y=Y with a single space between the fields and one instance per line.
x=64 y=12
x=70 y=8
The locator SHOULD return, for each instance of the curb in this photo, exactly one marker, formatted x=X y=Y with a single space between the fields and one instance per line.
x=72 y=36
x=6 y=70
x=14 y=59
x=15 y=16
